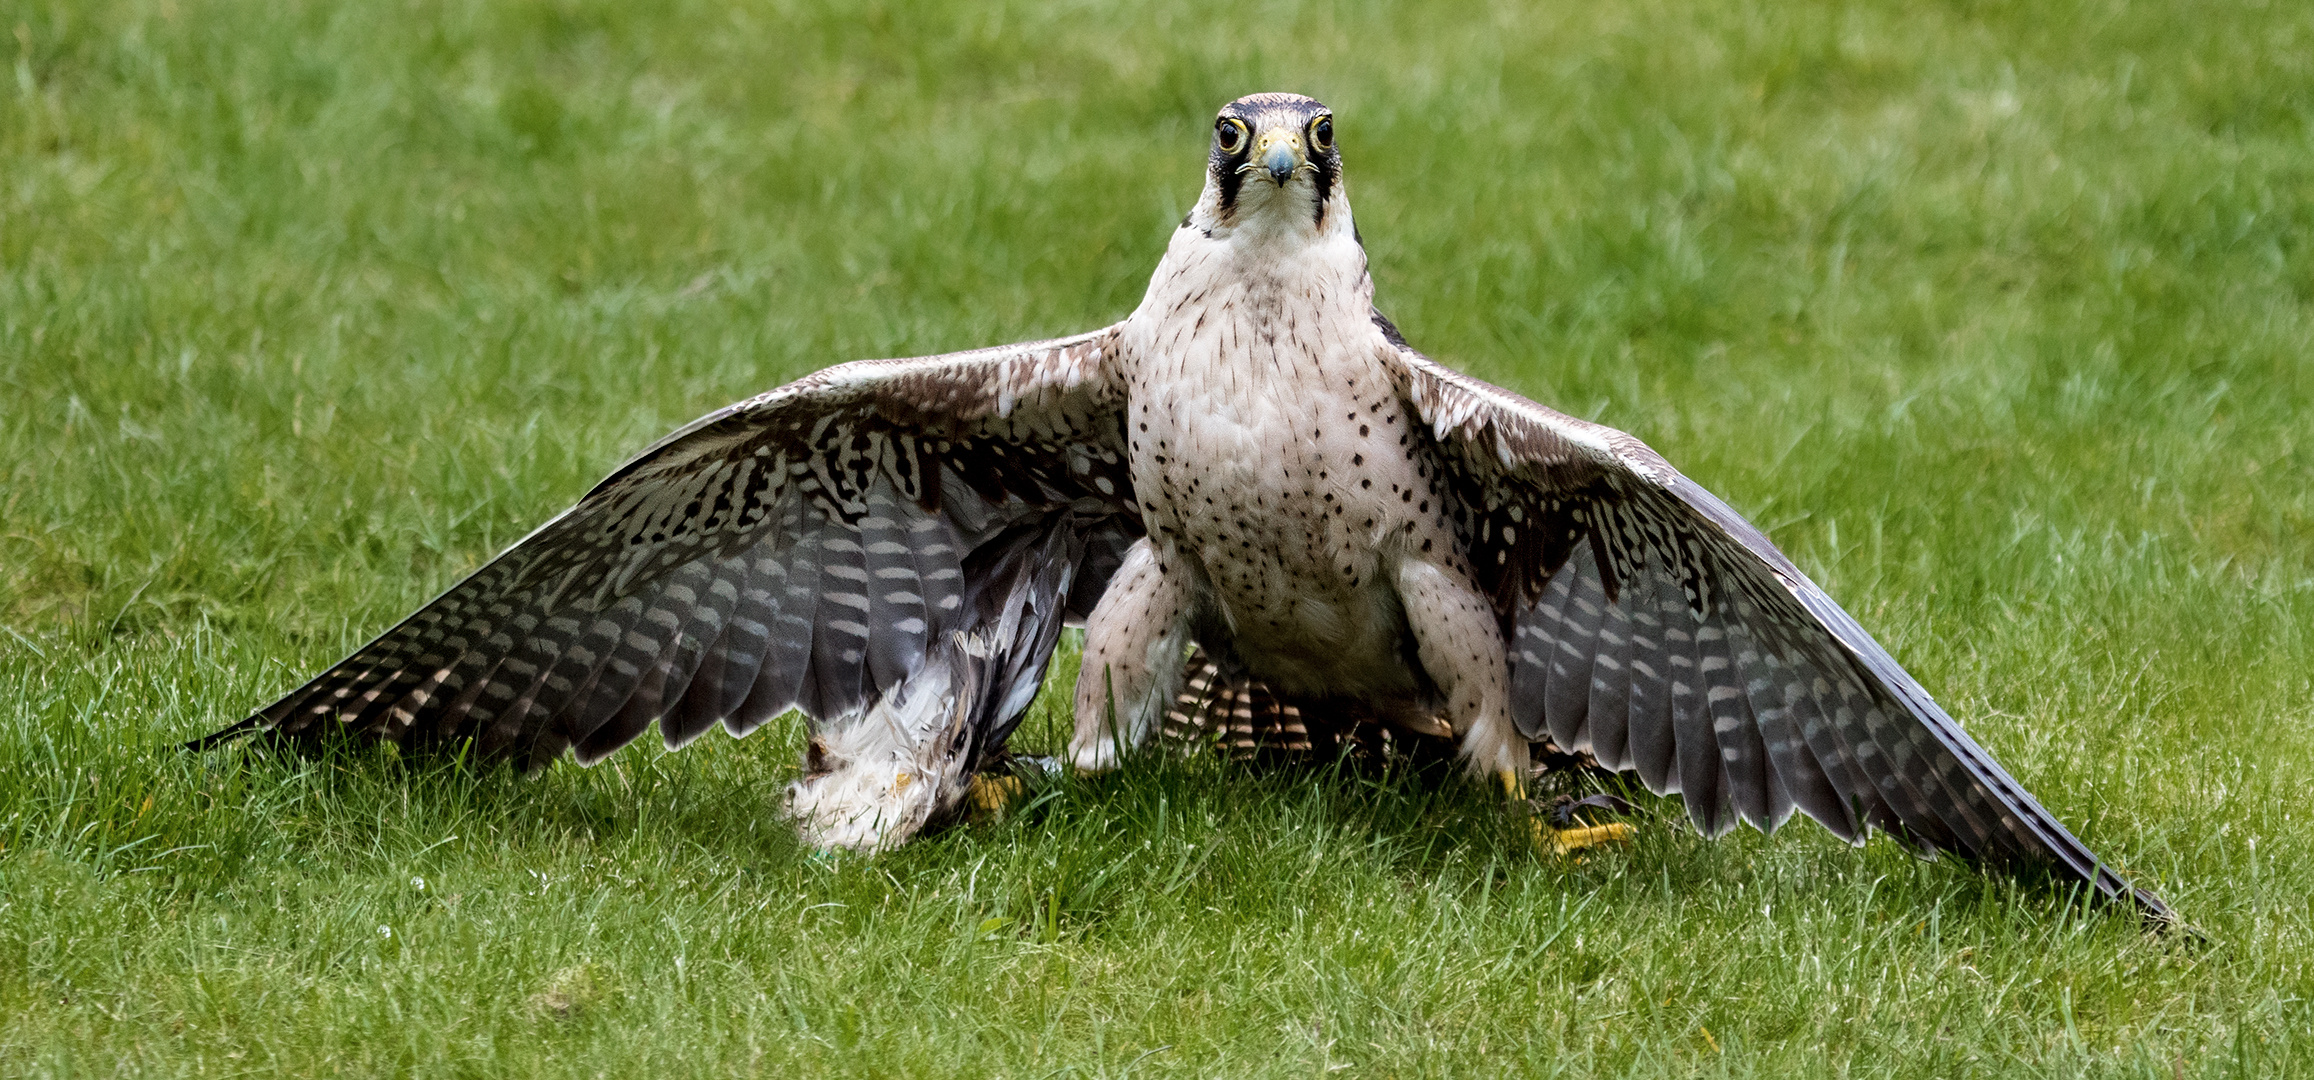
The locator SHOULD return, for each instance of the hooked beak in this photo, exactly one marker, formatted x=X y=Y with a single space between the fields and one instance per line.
x=1279 y=153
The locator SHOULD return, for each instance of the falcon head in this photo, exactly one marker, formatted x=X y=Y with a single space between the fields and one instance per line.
x=1273 y=153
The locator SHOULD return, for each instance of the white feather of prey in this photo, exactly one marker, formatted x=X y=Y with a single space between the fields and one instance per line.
x=895 y=768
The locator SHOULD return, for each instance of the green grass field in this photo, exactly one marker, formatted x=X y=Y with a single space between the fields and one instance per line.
x=1997 y=315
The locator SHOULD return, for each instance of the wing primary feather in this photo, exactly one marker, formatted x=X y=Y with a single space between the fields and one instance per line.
x=1530 y=649
x=1703 y=778
x=1610 y=707
x=543 y=677
x=1751 y=786
x=711 y=605
x=1855 y=718
x=702 y=599
x=895 y=617
x=1794 y=767
x=789 y=600
x=468 y=714
x=1655 y=746
x=681 y=613
x=840 y=635
x=2048 y=837
x=1575 y=604
x=364 y=689
x=728 y=664
x=631 y=719
x=627 y=648
x=1809 y=695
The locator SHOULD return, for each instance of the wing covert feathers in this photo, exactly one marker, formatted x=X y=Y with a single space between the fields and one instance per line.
x=1652 y=626
x=815 y=547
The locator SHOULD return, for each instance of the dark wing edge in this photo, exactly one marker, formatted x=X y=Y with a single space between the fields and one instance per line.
x=817 y=546
x=1653 y=626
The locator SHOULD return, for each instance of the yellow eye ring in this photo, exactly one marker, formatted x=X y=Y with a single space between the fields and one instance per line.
x=1322 y=134
x=1231 y=135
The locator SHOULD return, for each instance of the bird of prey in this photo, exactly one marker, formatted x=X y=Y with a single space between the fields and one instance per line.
x=1254 y=468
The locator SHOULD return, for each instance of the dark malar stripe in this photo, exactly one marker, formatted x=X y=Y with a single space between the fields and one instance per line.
x=1325 y=185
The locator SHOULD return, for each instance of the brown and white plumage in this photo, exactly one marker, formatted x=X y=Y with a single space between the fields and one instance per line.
x=1255 y=466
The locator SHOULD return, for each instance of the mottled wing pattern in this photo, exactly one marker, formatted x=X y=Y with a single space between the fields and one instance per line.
x=810 y=547
x=1653 y=627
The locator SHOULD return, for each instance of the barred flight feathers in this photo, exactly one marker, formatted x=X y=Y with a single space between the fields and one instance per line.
x=811 y=547
x=1653 y=627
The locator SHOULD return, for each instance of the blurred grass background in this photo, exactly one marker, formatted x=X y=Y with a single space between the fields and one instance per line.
x=1996 y=314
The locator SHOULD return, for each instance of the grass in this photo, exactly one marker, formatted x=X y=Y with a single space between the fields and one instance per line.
x=1997 y=315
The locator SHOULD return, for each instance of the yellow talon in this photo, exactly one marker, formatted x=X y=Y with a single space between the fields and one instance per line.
x=1568 y=841
x=991 y=796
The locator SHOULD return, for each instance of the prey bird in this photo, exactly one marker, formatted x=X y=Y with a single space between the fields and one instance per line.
x=1253 y=469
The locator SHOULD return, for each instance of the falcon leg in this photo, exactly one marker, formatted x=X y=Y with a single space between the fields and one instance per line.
x=1134 y=648
x=1461 y=646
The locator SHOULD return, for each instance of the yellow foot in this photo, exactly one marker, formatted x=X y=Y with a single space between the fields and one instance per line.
x=1557 y=841
x=991 y=796
x=1570 y=840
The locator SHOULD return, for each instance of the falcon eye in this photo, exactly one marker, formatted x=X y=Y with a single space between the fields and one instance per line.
x=1230 y=135
x=1322 y=134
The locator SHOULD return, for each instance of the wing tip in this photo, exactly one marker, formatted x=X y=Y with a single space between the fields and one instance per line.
x=2159 y=917
x=245 y=727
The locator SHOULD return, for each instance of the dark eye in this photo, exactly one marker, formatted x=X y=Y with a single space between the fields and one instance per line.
x=1322 y=134
x=1229 y=135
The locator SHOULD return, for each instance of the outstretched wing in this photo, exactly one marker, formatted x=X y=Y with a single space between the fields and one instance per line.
x=810 y=547
x=1652 y=626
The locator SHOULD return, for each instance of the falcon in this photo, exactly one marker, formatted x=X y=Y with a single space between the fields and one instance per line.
x=1253 y=469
